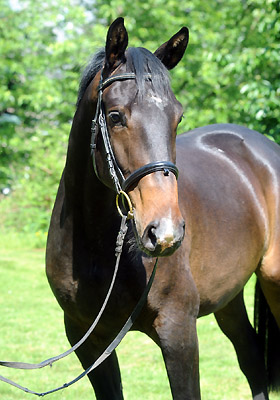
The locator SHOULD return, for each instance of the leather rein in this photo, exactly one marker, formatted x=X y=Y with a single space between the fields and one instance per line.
x=121 y=185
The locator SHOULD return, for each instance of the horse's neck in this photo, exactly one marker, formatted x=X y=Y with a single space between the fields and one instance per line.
x=89 y=202
x=78 y=150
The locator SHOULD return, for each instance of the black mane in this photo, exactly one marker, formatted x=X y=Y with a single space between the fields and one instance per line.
x=90 y=71
x=138 y=60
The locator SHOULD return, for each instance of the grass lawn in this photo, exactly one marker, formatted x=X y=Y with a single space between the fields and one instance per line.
x=32 y=330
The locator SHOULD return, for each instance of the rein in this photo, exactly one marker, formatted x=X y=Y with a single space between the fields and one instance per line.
x=107 y=352
x=121 y=184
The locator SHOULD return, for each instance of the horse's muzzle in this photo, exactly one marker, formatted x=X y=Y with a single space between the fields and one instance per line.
x=162 y=238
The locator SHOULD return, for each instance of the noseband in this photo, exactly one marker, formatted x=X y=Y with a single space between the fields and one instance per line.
x=121 y=183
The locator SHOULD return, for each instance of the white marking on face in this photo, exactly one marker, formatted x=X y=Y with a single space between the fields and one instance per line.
x=158 y=101
x=166 y=231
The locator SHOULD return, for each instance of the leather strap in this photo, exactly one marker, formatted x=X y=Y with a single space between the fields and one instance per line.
x=107 y=352
x=134 y=177
x=50 y=361
x=121 y=77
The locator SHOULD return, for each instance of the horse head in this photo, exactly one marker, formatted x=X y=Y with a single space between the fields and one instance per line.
x=135 y=126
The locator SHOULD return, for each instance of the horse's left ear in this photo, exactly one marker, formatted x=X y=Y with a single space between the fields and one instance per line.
x=171 y=52
x=116 y=43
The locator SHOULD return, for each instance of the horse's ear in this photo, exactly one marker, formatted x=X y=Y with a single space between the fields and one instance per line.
x=171 y=52
x=116 y=43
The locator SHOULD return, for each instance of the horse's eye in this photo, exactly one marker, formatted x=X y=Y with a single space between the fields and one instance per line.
x=180 y=120
x=115 y=118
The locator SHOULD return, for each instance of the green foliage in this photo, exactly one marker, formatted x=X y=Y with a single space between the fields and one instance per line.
x=230 y=73
x=41 y=44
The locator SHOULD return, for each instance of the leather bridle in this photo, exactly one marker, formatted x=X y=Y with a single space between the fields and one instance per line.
x=121 y=183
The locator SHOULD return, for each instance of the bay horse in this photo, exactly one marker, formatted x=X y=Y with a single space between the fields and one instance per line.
x=212 y=229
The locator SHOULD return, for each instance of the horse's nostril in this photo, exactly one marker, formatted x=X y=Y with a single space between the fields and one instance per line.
x=152 y=232
x=149 y=238
x=162 y=237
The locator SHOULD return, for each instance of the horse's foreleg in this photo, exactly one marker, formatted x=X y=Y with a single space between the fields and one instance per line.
x=106 y=378
x=177 y=336
x=233 y=321
x=179 y=346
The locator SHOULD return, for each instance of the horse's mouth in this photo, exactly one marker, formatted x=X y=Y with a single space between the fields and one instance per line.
x=160 y=251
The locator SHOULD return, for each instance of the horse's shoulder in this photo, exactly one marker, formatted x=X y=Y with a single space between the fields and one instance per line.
x=216 y=135
x=233 y=141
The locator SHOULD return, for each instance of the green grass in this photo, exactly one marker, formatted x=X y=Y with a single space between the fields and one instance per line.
x=32 y=329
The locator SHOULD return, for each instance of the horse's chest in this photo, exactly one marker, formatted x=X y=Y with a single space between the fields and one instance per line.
x=92 y=289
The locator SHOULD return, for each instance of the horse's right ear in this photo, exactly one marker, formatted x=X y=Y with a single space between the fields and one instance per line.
x=171 y=52
x=116 y=44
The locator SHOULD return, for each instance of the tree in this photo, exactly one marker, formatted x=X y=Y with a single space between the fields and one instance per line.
x=230 y=73
x=42 y=45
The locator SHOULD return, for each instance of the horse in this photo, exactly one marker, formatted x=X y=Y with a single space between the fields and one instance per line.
x=211 y=228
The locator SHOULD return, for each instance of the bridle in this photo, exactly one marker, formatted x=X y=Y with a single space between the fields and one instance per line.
x=121 y=183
